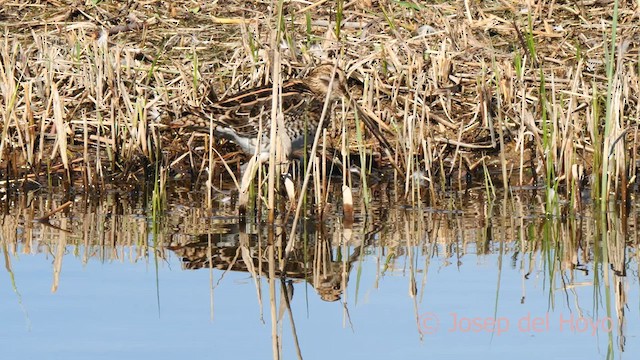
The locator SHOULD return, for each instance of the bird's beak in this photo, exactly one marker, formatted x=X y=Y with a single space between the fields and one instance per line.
x=374 y=124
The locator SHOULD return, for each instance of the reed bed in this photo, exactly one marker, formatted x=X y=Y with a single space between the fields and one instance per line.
x=496 y=94
x=503 y=92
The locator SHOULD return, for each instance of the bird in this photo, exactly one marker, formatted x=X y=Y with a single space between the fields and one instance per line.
x=245 y=117
x=239 y=117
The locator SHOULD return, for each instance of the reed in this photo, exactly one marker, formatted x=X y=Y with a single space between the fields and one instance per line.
x=611 y=119
x=83 y=92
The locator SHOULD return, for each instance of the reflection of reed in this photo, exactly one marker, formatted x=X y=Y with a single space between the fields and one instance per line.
x=616 y=251
x=559 y=251
x=245 y=250
x=109 y=230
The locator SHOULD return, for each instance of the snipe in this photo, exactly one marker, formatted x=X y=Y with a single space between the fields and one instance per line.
x=238 y=118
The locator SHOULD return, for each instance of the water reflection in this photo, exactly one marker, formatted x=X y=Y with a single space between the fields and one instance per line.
x=244 y=248
x=515 y=271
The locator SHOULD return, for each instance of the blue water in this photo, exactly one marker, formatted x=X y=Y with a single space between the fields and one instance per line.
x=124 y=310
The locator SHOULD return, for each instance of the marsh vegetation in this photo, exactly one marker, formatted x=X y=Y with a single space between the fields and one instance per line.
x=504 y=128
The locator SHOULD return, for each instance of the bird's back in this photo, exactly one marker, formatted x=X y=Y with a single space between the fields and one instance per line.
x=238 y=117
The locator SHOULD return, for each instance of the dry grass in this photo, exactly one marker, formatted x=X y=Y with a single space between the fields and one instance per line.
x=465 y=87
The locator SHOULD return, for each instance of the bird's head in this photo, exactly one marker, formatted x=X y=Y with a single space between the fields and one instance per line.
x=319 y=80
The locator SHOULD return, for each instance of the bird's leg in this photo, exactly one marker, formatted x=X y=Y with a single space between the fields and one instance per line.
x=289 y=188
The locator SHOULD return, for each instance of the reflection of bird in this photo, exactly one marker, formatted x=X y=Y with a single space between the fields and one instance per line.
x=232 y=248
x=238 y=118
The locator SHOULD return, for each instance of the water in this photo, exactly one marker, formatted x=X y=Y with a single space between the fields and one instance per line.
x=468 y=278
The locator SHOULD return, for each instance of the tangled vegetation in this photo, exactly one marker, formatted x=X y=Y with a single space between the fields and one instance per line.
x=508 y=92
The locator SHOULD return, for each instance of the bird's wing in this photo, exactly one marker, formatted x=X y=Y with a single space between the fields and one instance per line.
x=246 y=110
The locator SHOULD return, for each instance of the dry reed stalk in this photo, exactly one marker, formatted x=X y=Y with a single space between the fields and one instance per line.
x=99 y=79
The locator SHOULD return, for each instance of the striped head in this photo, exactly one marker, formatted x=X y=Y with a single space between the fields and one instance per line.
x=319 y=79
